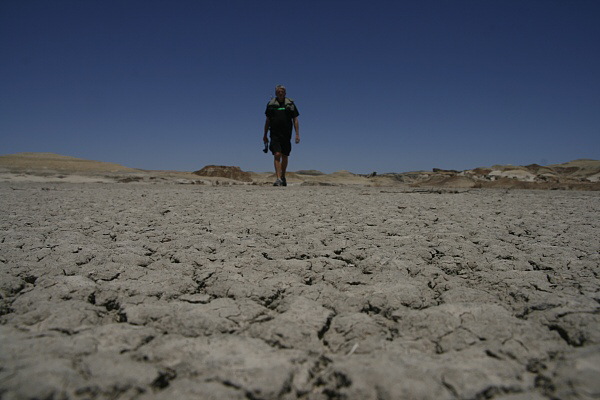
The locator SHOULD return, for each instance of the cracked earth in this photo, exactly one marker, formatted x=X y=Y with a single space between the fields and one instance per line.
x=116 y=291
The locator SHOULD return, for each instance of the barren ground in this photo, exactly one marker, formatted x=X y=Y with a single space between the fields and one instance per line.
x=132 y=291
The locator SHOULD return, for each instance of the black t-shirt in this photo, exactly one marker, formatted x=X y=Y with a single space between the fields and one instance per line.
x=281 y=115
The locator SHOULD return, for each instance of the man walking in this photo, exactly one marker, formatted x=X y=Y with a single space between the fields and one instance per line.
x=281 y=114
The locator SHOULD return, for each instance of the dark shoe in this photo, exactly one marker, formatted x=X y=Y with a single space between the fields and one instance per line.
x=278 y=183
x=283 y=181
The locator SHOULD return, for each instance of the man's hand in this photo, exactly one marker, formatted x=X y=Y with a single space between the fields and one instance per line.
x=297 y=139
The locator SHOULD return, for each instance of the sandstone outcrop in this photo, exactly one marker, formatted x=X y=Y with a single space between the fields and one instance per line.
x=222 y=171
x=579 y=174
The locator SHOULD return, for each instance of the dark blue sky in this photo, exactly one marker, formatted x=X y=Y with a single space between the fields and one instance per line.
x=386 y=86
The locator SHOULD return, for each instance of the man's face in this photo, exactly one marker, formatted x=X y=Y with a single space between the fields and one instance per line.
x=280 y=93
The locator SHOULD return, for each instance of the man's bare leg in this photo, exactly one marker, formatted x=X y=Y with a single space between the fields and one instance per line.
x=278 y=164
x=284 y=163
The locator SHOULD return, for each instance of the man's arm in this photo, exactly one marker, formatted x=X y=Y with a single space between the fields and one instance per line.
x=297 y=128
x=267 y=124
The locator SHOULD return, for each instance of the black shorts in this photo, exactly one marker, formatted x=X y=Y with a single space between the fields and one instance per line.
x=280 y=145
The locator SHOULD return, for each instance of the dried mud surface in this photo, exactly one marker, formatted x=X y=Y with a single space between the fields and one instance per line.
x=115 y=291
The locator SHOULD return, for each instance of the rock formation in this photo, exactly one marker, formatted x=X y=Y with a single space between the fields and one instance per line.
x=221 y=171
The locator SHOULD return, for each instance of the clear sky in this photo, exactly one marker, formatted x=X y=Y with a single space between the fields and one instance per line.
x=386 y=86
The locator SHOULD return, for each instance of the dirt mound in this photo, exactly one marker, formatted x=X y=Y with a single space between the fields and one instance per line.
x=343 y=173
x=539 y=169
x=445 y=171
x=508 y=183
x=222 y=171
x=577 y=169
x=448 y=181
x=580 y=169
x=481 y=171
x=311 y=172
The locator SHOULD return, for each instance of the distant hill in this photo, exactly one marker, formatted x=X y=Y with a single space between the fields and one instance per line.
x=577 y=174
x=56 y=162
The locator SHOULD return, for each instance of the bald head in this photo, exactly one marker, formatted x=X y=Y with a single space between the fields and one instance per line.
x=280 y=92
